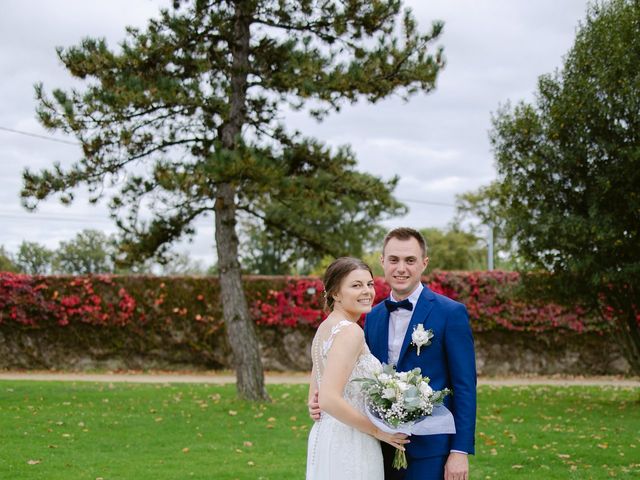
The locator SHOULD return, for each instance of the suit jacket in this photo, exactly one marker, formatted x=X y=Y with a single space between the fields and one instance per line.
x=449 y=361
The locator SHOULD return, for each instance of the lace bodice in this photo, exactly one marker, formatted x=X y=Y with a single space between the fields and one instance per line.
x=365 y=366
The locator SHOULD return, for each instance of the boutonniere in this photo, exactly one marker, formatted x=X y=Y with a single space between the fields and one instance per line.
x=421 y=337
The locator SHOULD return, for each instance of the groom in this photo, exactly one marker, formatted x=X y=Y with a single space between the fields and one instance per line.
x=449 y=360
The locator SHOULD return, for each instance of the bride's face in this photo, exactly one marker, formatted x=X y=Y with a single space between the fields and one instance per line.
x=356 y=293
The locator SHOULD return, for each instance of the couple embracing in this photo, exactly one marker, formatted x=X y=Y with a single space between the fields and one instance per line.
x=343 y=443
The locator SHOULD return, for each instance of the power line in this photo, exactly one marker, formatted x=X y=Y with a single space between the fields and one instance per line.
x=38 y=216
x=53 y=218
x=81 y=218
x=426 y=202
x=52 y=139
x=41 y=137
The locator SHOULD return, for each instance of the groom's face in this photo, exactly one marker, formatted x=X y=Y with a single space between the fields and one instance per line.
x=403 y=262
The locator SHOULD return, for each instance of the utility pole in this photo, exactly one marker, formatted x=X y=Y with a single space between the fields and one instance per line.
x=490 y=248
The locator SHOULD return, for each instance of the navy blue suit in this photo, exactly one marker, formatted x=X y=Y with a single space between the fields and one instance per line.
x=449 y=361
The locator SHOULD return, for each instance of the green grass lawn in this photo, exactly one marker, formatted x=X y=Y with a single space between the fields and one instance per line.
x=58 y=430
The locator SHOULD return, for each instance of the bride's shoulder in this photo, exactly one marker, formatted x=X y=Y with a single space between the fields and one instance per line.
x=340 y=329
x=347 y=331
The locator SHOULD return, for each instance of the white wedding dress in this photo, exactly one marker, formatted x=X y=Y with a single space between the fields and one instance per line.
x=337 y=451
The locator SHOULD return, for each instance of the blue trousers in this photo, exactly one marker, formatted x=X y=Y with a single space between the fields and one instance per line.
x=431 y=468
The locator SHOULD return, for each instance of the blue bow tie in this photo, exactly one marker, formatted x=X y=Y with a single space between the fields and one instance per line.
x=393 y=306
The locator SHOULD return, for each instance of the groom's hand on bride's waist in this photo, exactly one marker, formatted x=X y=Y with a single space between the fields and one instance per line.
x=314 y=407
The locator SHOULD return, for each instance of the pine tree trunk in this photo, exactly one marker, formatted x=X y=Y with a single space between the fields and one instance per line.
x=240 y=329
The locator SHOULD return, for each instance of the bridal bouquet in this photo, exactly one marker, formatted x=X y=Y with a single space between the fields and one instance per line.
x=404 y=402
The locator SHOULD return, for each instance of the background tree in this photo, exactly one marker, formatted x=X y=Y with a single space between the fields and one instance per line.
x=265 y=253
x=569 y=171
x=479 y=210
x=6 y=261
x=184 y=121
x=181 y=264
x=91 y=251
x=268 y=252
x=34 y=258
x=454 y=249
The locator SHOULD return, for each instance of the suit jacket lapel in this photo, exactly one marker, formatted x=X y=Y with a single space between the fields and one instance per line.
x=380 y=349
x=420 y=314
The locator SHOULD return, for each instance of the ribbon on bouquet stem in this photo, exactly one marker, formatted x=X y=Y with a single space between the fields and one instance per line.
x=440 y=421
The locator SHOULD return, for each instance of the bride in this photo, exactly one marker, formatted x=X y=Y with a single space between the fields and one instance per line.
x=343 y=443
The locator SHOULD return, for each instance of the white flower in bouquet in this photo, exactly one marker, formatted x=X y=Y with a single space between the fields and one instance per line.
x=421 y=337
x=403 y=386
x=405 y=402
x=425 y=389
x=389 y=393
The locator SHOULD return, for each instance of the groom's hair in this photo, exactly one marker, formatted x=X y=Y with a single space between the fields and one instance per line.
x=336 y=272
x=406 y=233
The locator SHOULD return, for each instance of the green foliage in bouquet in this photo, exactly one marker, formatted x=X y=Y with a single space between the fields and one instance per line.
x=401 y=397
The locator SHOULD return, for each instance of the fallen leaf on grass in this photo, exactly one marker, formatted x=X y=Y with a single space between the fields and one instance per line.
x=233 y=413
x=34 y=462
x=487 y=439
x=185 y=450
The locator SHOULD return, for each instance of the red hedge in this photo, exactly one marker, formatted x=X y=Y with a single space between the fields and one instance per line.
x=37 y=301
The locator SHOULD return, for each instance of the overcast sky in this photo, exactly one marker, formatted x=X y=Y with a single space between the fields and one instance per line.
x=436 y=143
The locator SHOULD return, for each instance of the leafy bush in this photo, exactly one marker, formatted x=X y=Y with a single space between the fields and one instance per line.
x=157 y=303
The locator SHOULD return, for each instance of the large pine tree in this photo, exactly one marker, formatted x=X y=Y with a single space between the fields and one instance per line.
x=184 y=120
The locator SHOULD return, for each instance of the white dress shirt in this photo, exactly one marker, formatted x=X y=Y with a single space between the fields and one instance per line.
x=399 y=322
